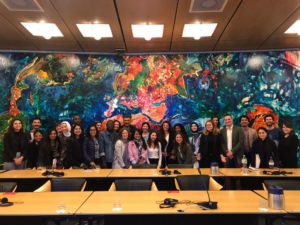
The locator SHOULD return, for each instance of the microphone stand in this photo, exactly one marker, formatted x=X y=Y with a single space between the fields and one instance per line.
x=210 y=204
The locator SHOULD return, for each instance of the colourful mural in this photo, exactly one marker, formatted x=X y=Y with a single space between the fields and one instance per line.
x=180 y=88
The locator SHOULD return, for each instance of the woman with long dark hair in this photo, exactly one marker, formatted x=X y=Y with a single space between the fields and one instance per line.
x=154 y=149
x=288 y=146
x=92 y=150
x=121 y=157
x=181 y=152
x=39 y=155
x=137 y=149
x=15 y=146
x=77 y=143
x=145 y=131
x=265 y=148
x=166 y=138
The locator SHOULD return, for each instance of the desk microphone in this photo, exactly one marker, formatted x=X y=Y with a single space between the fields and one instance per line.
x=279 y=172
x=209 y=204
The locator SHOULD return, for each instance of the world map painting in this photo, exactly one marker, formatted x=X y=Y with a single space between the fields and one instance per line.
x=181 y=88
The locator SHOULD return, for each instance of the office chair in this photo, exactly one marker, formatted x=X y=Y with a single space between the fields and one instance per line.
x=285 y=184
x=196 y=182
x=133 y=185
x=63 y=184
x=8 y=186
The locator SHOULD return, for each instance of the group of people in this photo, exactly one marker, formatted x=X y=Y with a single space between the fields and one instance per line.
x=122 y=146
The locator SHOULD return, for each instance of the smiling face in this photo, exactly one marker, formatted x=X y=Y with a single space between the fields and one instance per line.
x=179 y=138
x=36 y=124
x=77 y=130
x=137 y=135
x=93 y=131
x=286 y=130
x=38 y=136
x=145 y=128
x=262 y=134
x=194 y=128
x=17 y=125
x=209 y=126
x=228 y=121
x=52 y=135
x=153 y=136
x=125 y=135
x=166 y=127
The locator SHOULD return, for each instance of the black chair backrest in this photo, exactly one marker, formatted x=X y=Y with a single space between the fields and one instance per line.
x=133 y=184
x=175 y=166
x=7 y=186
x=144 y=166
x=193 y=182
x=285 y=184
x=65 y=184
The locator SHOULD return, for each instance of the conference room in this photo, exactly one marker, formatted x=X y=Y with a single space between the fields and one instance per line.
x=143 y=112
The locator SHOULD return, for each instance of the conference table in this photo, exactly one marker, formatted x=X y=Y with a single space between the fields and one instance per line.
x=34 y=208
x=143 y=207
x=101 y=179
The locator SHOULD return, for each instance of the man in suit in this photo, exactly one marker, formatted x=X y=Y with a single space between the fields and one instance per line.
x=232 y=140
x=250 y=135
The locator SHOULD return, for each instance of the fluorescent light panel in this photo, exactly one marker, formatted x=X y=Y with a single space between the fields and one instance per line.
x=294 y=29
x=96 y=31
x=147 y=31
x=46 y=30
x=198 y=30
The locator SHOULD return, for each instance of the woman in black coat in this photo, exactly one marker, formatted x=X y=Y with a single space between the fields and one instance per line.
x=288 y=146
x=15 y=146
x=210 y=145
x=265 y=148
x=39 y=154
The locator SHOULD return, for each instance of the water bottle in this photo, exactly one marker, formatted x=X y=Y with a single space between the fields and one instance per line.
x=271 y=163
x=244 y=164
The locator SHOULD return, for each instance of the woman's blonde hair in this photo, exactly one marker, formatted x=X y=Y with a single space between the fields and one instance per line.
x=205 y=131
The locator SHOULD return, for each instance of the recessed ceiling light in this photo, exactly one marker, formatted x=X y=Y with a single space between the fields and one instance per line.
x=46 y=30
x=198 y=30
x=294 y=29
x=95 y=30
x=147 y=31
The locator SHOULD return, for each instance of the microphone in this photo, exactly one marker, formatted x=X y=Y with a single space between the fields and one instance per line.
x=210 y=204
x=279 y=172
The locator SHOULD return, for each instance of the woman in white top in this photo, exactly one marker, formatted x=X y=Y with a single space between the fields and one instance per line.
x=121 y=158
x=154 y=149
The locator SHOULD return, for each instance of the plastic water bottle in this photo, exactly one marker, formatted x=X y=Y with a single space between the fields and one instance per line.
x=271 y=163
x=244 y=164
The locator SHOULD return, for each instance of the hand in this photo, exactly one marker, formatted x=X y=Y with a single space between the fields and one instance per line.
x=142 y=161
x=93 y=165
x=223 y=159
x=18 y=161
x=229 y=154
x=198 y=157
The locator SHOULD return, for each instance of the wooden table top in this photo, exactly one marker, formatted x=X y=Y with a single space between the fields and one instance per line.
x=72 y=173
x=237 y=172
x=43 y=203
x=292 y=200
x=147 y=202
x=131 y=173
